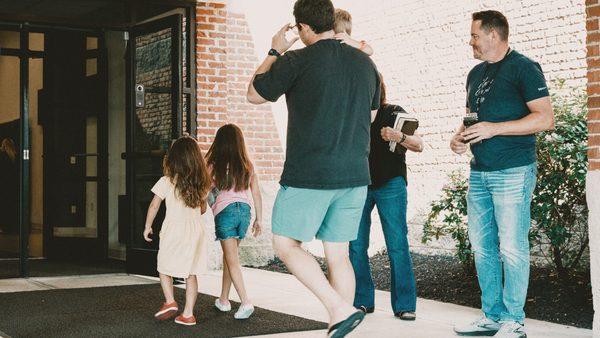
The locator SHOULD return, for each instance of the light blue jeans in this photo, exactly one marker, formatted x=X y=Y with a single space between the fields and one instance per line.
x=391 y=205
x=499 y=214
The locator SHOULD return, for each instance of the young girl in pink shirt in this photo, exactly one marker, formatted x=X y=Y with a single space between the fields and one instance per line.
x=233 y=180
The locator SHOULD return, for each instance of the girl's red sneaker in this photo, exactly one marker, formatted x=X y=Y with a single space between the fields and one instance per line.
x=167 y=311
x=185 y=321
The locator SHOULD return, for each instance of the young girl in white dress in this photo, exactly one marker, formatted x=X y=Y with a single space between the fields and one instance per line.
x=182 y=248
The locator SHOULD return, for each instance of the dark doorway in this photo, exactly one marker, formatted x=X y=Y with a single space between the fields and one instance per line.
x=67 y=105
x=73 y=113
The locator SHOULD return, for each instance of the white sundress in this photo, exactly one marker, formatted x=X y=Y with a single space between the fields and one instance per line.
x=183 y=247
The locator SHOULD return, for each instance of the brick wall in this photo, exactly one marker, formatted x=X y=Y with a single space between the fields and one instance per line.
x=421 y=49
x=593 y=177
x=593 y=88
x=211 y=73
x=225 y=64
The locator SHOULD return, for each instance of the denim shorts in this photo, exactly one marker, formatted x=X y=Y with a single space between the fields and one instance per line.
x=233 y=221
x=328 y=215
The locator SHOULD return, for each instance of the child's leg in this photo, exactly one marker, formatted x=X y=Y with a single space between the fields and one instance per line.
x=225 y=284
x=166 y=282
x=230 y=253
x=191 y=294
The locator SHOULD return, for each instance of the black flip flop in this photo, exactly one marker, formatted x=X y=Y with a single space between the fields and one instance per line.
x=406 y=315
x=366 y=309
x=346 y=326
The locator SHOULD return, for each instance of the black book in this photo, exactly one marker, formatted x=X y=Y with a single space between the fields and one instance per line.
x=407 y=125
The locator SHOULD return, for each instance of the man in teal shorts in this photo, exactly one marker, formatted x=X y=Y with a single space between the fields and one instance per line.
x=330 y=90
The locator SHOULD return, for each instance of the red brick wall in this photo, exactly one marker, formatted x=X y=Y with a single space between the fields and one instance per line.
x=593 y=87
x=225 y=63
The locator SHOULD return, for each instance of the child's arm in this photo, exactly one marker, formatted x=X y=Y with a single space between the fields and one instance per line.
x=256 y=196
x=152 y=211
x=366 y=48
x=362 y=45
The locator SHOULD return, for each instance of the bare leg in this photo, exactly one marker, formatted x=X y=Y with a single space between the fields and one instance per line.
x=166 y=282
x=225 y=283
x=341 y=274
x=308 y=271
x=191 y=294
x=230 y=252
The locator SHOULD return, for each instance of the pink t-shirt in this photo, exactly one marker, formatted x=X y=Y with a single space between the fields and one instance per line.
x=226 y=197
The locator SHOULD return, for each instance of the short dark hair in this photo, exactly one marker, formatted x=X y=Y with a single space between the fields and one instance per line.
x=493 y=20
x=318 y=14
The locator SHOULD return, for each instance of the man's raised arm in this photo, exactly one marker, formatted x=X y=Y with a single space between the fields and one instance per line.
x=280 y=44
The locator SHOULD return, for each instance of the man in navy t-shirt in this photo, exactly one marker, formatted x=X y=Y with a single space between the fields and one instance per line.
x=330 y=90
x=508 y=96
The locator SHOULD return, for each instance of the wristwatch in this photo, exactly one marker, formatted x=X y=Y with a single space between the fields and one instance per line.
x=402 y=139
x=274 y=52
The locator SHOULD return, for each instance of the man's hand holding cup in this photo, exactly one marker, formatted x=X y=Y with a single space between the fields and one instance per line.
x=459 y=141
x=458 y=145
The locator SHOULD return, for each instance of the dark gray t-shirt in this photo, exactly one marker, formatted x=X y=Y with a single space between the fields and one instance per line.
x=330 y=90
x=516 y=81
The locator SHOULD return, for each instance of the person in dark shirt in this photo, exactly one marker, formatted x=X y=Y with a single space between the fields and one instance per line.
x=330 y=90
x=508 y=94
x=388 y=192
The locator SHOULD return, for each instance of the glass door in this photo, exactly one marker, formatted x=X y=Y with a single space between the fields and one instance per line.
x=73 y=115
x=10 y=121
x=155 y=119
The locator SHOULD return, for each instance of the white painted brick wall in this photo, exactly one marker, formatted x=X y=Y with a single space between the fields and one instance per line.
x=421 y=48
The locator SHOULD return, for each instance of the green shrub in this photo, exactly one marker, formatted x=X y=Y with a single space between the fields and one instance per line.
x=559 y=228
x=559 y=209
x=448 y=217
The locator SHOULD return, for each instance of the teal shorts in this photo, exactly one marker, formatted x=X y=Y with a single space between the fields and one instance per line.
x=329 y=215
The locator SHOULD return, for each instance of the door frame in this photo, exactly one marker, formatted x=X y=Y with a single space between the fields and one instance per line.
x=24 y=54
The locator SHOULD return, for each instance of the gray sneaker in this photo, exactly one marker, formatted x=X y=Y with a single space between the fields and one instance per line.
x=511 y=330
x=481 y=327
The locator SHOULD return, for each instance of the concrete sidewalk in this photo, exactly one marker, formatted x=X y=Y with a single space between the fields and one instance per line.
x=283 y=293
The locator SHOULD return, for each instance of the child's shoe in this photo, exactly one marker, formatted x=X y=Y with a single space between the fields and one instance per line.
x=222 y=307
x=185 y=321
x=167 y=311
x=244 y=311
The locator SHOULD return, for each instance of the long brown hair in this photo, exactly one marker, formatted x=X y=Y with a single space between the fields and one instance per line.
x=185 y=166
x=383 y=96
x=228 y=157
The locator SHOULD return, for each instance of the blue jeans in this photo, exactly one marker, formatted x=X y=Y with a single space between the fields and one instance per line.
x=391 y=205
x=499 y=213
x=233 y=221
